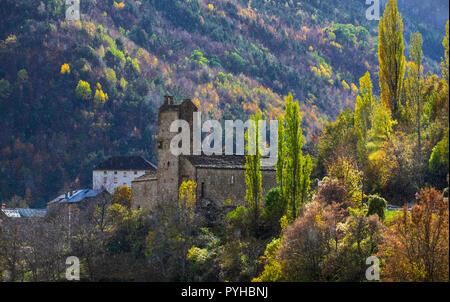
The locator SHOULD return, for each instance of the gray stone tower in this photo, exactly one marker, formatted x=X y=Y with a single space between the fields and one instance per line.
x=169 y=164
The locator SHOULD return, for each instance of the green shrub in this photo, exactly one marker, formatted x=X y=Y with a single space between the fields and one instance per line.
x=274 y=209
x=83 y=90
x=5 y=88
x=377 y=205
x=115 y=58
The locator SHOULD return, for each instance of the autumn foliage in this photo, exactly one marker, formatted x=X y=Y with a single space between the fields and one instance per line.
x=416 y=247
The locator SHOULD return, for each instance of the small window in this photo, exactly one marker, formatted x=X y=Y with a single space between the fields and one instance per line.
x=125 y=174
x=135 y=172
x=115 y=172
x=232 y=179
x=160 y=144
x=105 y=172
x=202 y=192
x=115 y=180
x=105 y=180
x=168 y=164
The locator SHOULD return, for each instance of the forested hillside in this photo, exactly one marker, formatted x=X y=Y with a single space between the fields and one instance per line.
x=361 y=175
x=75 y=92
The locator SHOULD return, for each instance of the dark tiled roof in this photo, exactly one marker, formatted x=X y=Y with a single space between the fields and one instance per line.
x=175 y=107
x=125 y=163
x=220 y=161
x=169 y=107
x=147 y=176
x=217 y=160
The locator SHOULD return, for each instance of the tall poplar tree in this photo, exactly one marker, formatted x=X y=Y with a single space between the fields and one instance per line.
x=253 y=178
x=281 y=149
x=444 y=63
x=415 y=77
x=294 y=158
x=305 y=179
x=413 y=84
x=362 y=117
x=391 y=57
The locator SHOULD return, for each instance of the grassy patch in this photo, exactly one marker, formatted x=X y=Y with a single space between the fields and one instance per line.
x=391 y=215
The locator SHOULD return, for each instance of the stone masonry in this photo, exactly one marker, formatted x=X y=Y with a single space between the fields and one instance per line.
x=218 y=177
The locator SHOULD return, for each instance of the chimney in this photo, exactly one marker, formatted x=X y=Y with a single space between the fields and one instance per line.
x=168 y=100
x=3 y=206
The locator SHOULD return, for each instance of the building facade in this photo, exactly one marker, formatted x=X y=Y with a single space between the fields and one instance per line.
x=218 y=177
x=119 y=171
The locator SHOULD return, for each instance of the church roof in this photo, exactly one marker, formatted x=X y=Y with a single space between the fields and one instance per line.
x=220 y=161
x=216 y=160
x=150 y=175
x=125 y=163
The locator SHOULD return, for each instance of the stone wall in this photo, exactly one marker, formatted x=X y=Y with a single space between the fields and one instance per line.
x=221 y=184
x=144 y=191
x=269 y=180
x=213 y=183
x=187 y=170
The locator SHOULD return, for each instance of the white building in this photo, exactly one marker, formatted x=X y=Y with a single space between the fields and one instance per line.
x=119 y=171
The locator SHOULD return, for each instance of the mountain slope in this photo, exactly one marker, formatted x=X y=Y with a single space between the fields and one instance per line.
x=231 y=57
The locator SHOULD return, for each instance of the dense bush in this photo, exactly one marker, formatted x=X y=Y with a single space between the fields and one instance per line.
x=420 y=237
x=377 y=205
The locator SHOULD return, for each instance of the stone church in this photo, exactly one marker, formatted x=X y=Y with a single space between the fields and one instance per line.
x=218 y=177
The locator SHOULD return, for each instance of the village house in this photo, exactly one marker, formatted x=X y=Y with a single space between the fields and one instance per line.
x=114 y=172
x=119 y=171
x=218 y=177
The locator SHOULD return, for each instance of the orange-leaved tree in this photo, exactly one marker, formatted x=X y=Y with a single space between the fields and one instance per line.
x=416 y=246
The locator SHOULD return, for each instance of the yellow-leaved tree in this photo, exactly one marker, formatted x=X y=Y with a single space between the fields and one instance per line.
x=122 y=195
x=363 y=109
x=65 y=68
x=187 y=199
x=391 y=57
x=83 y=90
x=100 y=96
